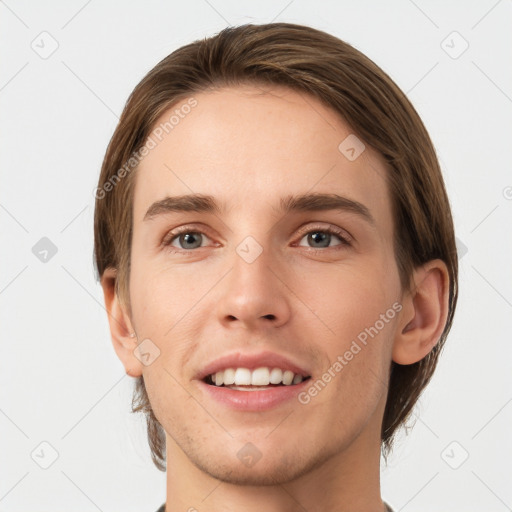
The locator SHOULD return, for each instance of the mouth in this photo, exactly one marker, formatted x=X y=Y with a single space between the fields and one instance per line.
x=258 y=379
x=252 y=382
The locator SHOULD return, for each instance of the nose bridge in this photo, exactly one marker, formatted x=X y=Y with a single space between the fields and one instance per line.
x=252 y=262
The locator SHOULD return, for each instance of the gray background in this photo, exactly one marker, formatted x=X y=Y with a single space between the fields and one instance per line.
x=60 y=380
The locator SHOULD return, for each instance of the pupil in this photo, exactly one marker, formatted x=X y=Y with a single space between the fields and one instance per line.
x=320 y=237
x=189 y=238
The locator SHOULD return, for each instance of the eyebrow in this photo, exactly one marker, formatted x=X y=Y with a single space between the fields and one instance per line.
x=312 y=202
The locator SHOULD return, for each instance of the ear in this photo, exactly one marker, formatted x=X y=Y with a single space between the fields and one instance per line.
x=424 y=314
x=121 y=330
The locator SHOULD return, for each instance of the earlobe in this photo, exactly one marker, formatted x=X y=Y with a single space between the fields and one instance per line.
x=123 y=336
x=424 y=314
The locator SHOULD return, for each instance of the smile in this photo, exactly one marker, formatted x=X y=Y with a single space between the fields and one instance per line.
x=257 y=390
x=244 y=379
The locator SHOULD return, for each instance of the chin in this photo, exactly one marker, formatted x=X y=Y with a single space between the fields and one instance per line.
x=281 y=469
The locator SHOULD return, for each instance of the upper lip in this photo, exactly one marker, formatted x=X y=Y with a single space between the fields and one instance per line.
x=251 y=361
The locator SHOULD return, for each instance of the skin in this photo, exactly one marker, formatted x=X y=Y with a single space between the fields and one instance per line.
x=248 y=147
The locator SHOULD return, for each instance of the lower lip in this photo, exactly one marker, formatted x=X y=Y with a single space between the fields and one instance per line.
x=253 y=400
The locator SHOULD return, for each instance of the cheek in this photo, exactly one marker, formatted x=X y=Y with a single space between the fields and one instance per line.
x=358 y=344
x=355 y=310
x=159 y=296
x=348 y=300
x=165 y=310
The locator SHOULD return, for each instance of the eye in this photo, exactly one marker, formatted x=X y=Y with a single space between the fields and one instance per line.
x=186 y=238
x=321 y=238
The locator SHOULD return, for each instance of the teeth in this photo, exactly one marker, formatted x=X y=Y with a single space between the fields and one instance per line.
x=242 y=377
x=262 y=376
x=229 y=377
x=297 y=379
x=276 y=376
x=287 y=377
x=219 y=378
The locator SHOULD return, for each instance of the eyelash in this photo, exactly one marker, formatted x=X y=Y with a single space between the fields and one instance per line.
x=343 y=236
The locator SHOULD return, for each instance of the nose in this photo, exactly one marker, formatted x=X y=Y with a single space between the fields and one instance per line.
x=254 y=294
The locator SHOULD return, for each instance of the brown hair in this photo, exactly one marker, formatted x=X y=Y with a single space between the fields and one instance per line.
x=314 y=62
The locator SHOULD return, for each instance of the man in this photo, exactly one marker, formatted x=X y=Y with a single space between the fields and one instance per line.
x=276 y=251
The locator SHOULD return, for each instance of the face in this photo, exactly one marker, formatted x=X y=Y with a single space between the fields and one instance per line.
x=268 y=284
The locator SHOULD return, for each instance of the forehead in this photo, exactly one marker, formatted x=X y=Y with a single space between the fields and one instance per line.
x=249 y=146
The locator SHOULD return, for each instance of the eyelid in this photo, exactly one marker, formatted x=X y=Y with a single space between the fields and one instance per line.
x=185 y=228
x=342 y=233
